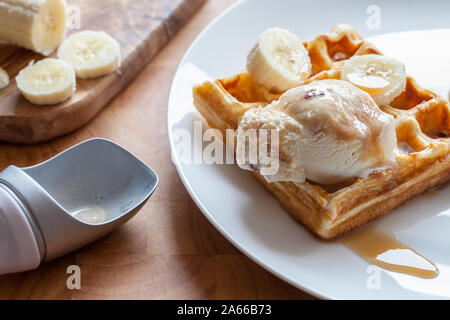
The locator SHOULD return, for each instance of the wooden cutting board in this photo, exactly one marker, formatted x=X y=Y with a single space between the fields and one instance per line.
x=142 y=27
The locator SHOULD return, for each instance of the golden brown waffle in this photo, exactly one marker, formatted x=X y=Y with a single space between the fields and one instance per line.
x=422 y=122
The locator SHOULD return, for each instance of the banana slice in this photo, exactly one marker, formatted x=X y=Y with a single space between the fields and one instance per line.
x=381 y=77
x=48 y=81
x=4 y=79
x=91 y=53
x=278 y=60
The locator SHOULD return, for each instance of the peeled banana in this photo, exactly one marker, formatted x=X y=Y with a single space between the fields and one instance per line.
x=4 y=79
x=381 y=77
x=39 y=25
x=46 y=82
x=278 y=60
x=91 y=53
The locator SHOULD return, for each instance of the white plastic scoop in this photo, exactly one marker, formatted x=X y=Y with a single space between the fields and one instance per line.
x=62 y=204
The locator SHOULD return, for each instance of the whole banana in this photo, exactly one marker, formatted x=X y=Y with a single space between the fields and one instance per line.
x=38 y=25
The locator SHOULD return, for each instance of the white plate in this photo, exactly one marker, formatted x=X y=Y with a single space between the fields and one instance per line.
x=244 y=212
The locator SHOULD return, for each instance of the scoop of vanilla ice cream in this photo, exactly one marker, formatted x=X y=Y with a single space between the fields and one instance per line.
x=289 y=165
x=329 y=131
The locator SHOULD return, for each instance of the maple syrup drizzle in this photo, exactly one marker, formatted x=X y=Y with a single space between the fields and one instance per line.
x=387 y=252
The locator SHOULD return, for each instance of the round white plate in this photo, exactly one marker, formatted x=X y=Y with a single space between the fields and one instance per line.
x=247 y=215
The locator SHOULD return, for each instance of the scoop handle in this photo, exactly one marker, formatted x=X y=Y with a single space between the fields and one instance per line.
x=19 y=249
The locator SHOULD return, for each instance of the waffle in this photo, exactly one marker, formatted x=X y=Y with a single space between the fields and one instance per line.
x=422 y=126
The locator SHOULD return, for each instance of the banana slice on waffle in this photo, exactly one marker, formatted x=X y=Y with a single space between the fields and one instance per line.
x=279 y=61
x=382 y=77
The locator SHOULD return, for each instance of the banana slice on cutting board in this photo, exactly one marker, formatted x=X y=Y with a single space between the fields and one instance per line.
x=278 y=60
x=91 y=53
x=4 y=79
x=381 y=77
x=48 y=81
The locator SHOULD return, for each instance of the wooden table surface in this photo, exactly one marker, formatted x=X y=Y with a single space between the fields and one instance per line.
x=169 y=250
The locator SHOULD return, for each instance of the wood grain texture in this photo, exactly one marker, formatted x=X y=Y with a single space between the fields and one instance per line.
x=141 y=28
x=169 y=250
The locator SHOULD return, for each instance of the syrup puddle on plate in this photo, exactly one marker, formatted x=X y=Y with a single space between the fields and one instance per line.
x=94 y=215
x=387 y=252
